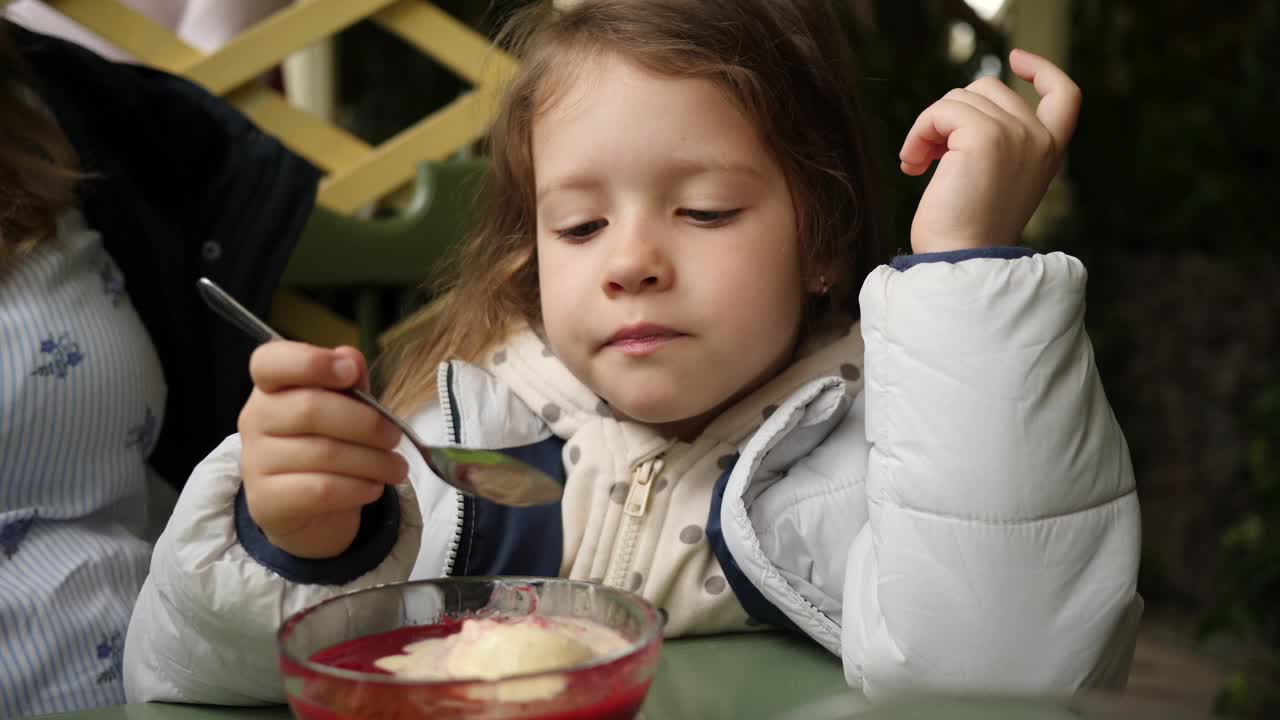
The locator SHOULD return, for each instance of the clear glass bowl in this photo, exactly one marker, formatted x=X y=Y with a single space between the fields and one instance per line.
x=326 y=652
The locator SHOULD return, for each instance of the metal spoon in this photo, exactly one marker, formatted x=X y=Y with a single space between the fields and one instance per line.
x=484 y=473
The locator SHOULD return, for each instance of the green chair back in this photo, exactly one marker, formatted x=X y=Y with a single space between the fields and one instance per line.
x=376 y=258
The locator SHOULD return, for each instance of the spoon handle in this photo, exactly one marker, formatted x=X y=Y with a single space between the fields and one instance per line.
x=240 y=316
x=235 y=313
x=372 y=402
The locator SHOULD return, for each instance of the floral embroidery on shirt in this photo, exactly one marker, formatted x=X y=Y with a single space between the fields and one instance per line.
x=13 y=533
x=141 y=435
x=112 y=284
x=111 y=649
x=61 y=354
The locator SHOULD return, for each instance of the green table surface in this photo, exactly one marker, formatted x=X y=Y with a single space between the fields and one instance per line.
x=734 y=676
x=744 y=677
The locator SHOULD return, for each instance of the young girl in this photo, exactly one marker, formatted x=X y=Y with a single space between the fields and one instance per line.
x=661 y=300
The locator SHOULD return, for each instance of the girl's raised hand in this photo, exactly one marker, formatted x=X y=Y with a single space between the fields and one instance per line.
x=310 y=457
x=995 y=156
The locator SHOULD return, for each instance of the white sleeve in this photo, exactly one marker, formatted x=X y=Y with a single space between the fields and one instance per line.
x=203 y=630
x=1001 y=548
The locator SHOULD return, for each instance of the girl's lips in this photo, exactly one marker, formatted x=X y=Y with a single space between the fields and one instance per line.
x=642 y=339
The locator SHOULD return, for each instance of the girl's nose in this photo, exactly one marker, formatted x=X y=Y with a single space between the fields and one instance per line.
x=636 y=264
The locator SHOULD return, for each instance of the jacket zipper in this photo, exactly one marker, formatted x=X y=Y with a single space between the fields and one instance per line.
x=453 y=430
x=643 y=478
x=444 y=390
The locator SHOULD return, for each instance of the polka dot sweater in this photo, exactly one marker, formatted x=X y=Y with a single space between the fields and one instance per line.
x=636 y=503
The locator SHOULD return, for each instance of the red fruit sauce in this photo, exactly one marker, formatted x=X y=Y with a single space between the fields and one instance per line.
x=613 y=691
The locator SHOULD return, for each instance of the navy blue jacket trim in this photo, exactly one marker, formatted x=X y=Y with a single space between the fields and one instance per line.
x=905 y=262
x=752 y=600
x=379 y=529
x=500 y=540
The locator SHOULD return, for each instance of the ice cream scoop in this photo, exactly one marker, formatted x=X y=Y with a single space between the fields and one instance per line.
x=488 y=649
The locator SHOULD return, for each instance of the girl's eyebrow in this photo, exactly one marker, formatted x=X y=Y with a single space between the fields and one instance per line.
x=689 y=167
x=581 y=181
x=679 y=169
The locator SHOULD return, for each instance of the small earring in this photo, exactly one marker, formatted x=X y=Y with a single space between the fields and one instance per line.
x=823 y=287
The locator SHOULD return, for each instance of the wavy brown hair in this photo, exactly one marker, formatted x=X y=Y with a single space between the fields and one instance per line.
x=38 y=172
x=785 y=63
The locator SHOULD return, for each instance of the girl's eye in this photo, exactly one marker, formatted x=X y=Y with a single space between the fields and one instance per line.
x=582 y=231
x=709 y=218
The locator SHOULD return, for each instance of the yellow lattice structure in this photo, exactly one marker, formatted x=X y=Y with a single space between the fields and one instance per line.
x=357 y=174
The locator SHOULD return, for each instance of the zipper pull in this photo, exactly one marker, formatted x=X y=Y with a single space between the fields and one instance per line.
x=638 y=496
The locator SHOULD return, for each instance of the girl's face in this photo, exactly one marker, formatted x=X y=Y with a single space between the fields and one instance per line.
x=668 y=261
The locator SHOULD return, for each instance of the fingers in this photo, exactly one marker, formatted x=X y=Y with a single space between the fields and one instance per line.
x=312 y=457
x=280 y=456
x=988 y=100
x=930 y=136
x=1000 y=103
x=1059 y=95
x=285 y=364
x=930 y=154
x=292 y=396
x=311 y=411
x=297 y=498
x=348 y=353
x=1001 y=96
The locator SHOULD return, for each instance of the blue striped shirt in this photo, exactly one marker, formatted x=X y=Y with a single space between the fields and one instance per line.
x=81 y=402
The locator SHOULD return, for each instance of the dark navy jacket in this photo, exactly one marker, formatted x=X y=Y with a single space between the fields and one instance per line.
x=181 y=186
